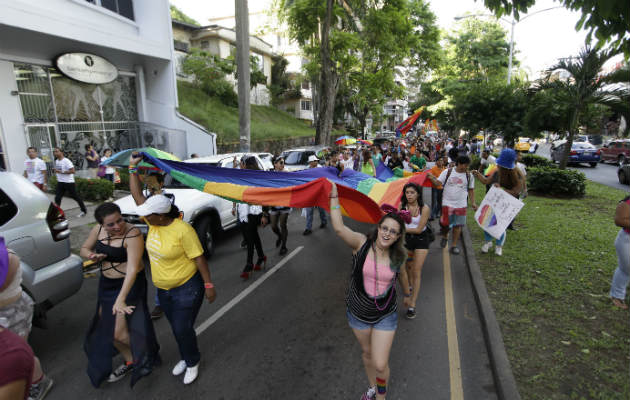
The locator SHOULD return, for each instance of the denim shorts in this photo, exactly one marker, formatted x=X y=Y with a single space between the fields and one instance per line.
x=389 y=323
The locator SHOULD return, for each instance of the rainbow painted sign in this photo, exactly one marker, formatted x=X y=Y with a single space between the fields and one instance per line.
x=496 y=211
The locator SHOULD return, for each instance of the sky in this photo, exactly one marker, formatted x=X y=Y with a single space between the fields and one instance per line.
x=539 y=39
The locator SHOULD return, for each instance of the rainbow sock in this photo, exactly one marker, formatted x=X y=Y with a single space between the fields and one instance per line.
x=381 y=386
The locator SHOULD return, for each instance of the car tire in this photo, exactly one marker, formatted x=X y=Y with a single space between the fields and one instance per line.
x=593 y=164
x=203 y=227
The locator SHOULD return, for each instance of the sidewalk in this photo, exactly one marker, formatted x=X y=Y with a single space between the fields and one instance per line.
x=71 y=208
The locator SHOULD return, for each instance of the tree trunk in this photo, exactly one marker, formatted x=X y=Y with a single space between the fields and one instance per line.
x=328 y=82
x=569 y=143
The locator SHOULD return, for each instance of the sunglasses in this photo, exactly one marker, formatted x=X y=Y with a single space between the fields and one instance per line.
x=387 y=230
x=280 y=162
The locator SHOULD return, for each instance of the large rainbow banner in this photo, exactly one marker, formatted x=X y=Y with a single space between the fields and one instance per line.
x=360 y=195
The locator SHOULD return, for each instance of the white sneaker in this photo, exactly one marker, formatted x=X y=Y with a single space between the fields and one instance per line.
x=81 y=215
x=191 y=374
x=498 y=250
x=486 y=247
x=179 y=368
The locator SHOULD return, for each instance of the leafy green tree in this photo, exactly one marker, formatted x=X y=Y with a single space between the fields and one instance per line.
x=282 y=87
x=209 y=73
x=584 y=87
x=178 y=15
x=607 y=20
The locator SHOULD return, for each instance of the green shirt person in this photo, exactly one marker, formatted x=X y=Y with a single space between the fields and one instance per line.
x=418 y=161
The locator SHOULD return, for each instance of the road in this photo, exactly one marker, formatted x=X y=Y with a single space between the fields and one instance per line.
x=284 y=335
x=603 y=173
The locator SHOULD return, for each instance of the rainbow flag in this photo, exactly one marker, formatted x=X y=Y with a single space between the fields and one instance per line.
x=360 y=195
x=406 y=125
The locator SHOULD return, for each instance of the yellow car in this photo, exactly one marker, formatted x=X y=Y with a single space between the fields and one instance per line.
x=523 y=144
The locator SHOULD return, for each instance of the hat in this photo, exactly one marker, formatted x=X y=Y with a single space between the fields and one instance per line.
x=156 y=204
x=507 y=158
x=312 y=158
x=4 y=262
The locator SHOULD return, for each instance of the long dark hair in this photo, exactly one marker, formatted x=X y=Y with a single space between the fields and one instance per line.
x=397 y=251
x=250 y=163
x=508 y=178
x=403 y=199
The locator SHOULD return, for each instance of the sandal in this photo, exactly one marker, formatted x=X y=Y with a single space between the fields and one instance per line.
x=619 y=303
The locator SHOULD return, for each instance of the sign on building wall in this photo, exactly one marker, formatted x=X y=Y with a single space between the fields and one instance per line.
x=87 y=68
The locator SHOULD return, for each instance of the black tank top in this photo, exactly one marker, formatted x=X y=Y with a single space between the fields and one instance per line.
x=114 y=254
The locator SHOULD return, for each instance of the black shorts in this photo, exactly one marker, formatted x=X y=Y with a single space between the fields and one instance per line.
x=415 y=241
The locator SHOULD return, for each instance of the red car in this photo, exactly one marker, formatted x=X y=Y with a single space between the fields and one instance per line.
x=617 y=151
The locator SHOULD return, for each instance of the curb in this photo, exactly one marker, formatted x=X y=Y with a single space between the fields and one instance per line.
x=499 y=362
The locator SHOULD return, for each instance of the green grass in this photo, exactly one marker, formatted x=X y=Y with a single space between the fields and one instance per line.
x=266 y=122
x=549 y=290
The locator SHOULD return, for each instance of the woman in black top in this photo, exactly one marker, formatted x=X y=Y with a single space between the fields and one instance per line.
x=279 y=215
x=122 y=318
x=371 y=298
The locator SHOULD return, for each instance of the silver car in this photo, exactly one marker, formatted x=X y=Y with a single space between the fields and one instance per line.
x=37 y=231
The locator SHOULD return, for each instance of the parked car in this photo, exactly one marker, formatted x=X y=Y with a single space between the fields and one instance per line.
x=37 y=230
x=523 y=144
x=210 y=215
x=617 y=151
x=297 y=159
x=595 y=140
x=581 y=152
x=266 y=159
x=623 y=173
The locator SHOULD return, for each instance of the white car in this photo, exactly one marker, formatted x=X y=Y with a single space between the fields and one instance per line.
x=208 y=214
x=297 y=159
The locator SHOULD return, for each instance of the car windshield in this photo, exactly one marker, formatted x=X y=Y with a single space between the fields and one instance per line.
x=291 y=157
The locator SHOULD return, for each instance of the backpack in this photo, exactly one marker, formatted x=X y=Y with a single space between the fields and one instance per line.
x=448 y=174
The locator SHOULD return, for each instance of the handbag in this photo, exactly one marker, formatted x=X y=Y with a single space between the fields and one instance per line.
x=101 y=171
x=430 y=234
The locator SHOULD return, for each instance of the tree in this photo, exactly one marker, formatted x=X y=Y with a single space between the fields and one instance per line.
x=607 y=20
x=209 y=72
x=282 y=87
x=178 y=15
x=584 y=88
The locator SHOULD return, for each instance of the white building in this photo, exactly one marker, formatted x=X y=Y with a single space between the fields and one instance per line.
x=41 y=106
x=263 y=24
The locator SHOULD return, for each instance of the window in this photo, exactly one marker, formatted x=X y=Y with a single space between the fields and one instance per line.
x=180 y=46
x=305 y=105
x=204 y=44
x=306 y=85
x=121 y=7
x=8 y=209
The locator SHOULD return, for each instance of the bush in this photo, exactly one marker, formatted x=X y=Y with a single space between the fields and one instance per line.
x=532 y=160
x=94 y=190
x=556 y=182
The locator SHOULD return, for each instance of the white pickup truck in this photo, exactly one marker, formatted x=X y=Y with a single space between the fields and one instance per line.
x=208 y=214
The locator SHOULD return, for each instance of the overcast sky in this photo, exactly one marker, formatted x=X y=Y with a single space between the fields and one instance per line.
x=539 y=39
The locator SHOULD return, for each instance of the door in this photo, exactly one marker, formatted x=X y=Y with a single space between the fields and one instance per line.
x=44 y=138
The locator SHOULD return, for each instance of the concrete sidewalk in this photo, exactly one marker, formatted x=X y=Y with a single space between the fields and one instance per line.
x=72 y=210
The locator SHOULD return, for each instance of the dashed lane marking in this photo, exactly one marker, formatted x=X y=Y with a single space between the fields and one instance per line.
x=215 y=317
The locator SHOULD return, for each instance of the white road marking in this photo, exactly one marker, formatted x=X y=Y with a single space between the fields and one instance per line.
x=215 y=317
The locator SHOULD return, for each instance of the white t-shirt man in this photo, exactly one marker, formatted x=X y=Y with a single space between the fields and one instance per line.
x=35 y=169
x=455 y=193
x=347 y=164
x=64 y=165
x=487 y=161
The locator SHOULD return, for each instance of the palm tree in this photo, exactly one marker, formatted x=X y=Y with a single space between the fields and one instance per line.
x=585 y=86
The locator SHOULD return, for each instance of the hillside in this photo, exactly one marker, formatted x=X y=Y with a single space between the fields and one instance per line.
x=266 y=122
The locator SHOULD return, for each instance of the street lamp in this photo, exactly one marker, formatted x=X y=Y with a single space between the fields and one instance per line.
x=512 y=22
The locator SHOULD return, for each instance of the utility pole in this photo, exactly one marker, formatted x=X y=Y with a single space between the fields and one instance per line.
x=242 y=69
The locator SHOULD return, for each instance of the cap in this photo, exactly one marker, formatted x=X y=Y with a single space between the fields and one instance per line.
x=156 y=204
x=312 y=158
x=507 y=158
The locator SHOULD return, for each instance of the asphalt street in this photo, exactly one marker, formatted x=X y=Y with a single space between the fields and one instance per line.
x=283 y=334
x=604 y=173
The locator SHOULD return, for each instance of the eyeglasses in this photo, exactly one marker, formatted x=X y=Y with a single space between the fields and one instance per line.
x=387 y=230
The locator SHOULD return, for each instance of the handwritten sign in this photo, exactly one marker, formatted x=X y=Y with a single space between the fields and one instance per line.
x=496 y=211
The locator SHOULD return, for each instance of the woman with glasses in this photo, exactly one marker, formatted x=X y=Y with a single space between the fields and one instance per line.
x=371 y=298
x=280 y=215
x=122 y=320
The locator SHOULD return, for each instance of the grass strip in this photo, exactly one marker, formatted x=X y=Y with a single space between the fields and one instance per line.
x=549 y=290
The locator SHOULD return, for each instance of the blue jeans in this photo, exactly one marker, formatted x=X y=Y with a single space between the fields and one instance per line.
x=436 y=202
x=489 y=238
x=621 y=277
x=309 y=217
x=181 y=305
x=389 y=323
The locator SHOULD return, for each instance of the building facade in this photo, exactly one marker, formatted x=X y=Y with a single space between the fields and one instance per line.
x=44 y=107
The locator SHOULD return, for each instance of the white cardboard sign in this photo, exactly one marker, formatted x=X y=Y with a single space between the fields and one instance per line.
x=496 y=211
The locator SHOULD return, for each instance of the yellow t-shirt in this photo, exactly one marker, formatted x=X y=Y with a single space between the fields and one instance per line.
x=172 y=249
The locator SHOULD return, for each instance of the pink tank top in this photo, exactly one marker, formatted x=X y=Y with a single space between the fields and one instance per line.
x=385 y=276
